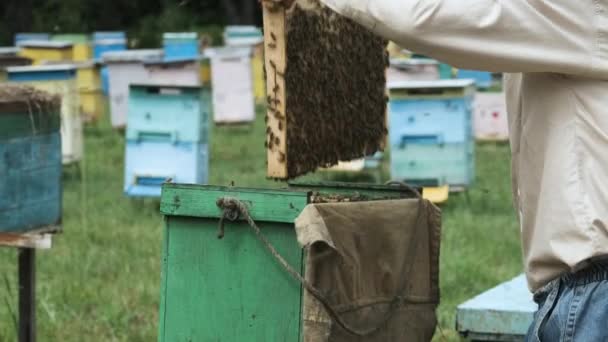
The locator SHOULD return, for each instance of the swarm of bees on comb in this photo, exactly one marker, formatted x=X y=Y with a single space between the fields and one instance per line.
x=326 y=86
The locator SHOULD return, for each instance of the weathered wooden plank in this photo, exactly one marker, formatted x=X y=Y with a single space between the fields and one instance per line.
x=200 y=201
x=275 y=61
x=359 y=191
x=28 y=240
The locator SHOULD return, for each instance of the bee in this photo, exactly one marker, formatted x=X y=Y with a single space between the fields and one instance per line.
x=276 y=88
x=280 y=125
x=277 y=141
x=281 y=157
x=274 y=66
x=272 y=45
x=273 y=36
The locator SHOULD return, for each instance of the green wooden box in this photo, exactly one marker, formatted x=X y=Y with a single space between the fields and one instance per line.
x=232 y=289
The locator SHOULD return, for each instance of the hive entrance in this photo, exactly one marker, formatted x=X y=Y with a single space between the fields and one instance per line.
x=326 y=89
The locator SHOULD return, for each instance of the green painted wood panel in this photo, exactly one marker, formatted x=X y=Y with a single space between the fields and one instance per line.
x=200 y=201
x=228 y=290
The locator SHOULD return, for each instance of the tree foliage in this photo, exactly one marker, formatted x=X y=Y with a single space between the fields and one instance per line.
x=144 y=20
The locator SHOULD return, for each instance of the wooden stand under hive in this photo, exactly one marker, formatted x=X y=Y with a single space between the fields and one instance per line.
x=325 y=89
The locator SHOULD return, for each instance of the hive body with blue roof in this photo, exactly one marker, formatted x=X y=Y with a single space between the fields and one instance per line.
x=167 y=137
x=430 y=132
x=177 y=45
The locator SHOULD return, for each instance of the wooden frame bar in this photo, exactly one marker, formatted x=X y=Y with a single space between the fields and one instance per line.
x=275 y=62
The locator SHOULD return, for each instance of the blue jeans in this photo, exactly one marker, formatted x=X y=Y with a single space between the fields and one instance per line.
x=573 y=308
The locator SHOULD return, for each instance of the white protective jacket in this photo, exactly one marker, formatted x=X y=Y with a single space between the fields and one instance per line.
x=555 y=54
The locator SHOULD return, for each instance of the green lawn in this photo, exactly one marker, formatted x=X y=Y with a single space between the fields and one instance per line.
x=100 y=281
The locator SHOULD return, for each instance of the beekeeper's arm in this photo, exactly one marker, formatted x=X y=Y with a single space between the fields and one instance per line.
x=564 y=36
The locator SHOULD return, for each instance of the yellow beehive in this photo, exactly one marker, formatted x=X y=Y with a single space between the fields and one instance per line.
x=92 y=105
x=259 y=83
x=61 y=80
x=46 y=51
x=88 y=76
x=205 y=71
x=82 y=52
x=88 y=81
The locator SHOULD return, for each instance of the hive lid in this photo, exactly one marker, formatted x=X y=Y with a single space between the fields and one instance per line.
x=8 y=50
x=74 y=38
x=409 y=62
x=462 y=83
x=228 y=52
x=132 y=56
x=174 y=61
x=112 y=41
x=42 y=68
x=44 y=44
x=180 y=35
x=99 y=35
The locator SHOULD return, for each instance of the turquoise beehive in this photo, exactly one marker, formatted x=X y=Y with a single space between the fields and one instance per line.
x=30 y=169
x=167 y=137
x=430 y=132
x=180 y=45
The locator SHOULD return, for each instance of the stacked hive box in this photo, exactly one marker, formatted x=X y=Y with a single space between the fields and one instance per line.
x=22 y=37
x=183 y=72
x=167 y=137
x=490 y=107
x=82 y=46
x=90 y=92
x=61 y=80
x=125 y=68
x=105 y=42
x=10 y=59
x=180 y=45
x=41 y=52
x=250 y=36
x=430 y=132
x=30 y=174
x=233 y=100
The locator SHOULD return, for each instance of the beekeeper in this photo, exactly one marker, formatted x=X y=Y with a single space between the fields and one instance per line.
x=554 y=54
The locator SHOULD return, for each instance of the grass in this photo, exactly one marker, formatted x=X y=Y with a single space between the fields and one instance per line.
x=100 y=281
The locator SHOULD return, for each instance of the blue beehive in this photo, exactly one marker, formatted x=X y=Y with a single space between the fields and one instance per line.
x=167 y=137
x=430 y=132
x=483 y=79
x=23 y=37
x=105 y=42
x=503 y=313
x=180 y=45
x=30 y=168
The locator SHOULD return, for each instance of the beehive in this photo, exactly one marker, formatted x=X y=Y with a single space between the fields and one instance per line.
x=41 y=52
x=234 y=283
x=431 y=132
x=180 y=45
x=58 y=79
x=325 y=89
x=23 y=36
x=125 y=68
x=175 y=71
x=167 y=137
x=232 y=81
x=82 y=50
x=30 y=174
